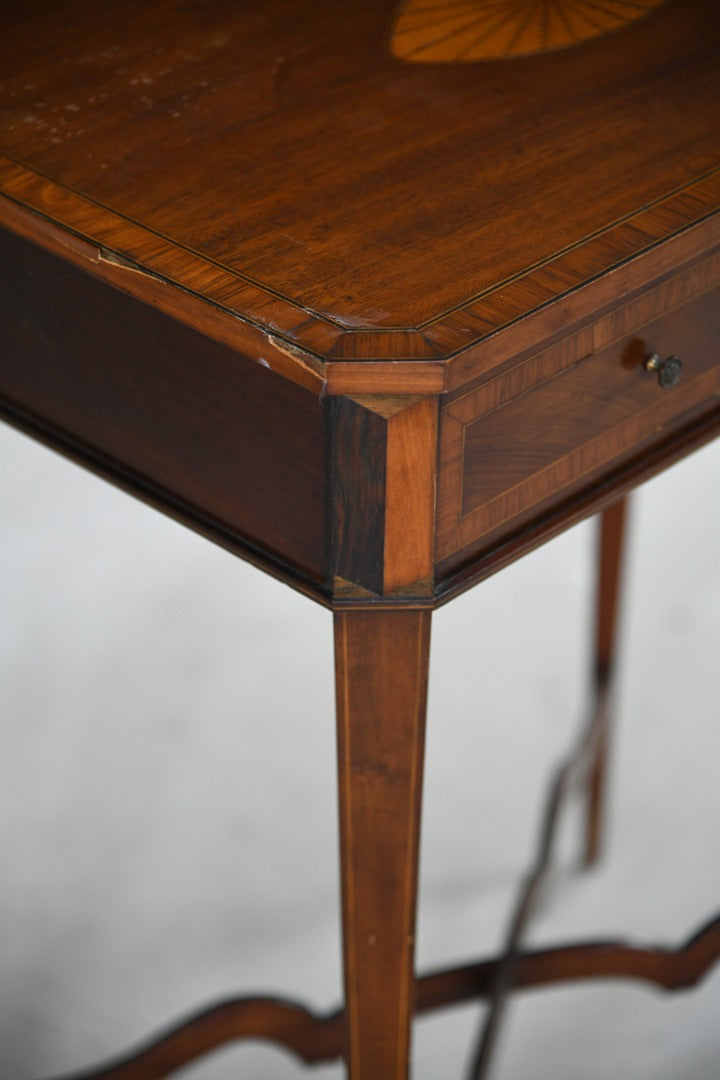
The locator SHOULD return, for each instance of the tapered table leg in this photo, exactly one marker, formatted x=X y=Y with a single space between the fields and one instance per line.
x=381 y=660
x=611 y=546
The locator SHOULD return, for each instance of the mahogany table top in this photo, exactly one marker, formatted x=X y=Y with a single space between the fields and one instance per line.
x=282 y=165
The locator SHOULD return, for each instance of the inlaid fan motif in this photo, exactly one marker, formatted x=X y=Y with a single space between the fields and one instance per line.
x=467 y=30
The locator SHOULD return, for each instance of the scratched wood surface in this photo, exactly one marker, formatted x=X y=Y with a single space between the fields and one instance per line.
x=279 y=163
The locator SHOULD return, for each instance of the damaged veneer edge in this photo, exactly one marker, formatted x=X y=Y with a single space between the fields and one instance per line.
x=220 y=324
x=261 y=345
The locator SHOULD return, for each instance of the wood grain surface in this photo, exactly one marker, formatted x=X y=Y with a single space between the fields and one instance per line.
x=381 y=665
x=383 y=484
x=312 y=185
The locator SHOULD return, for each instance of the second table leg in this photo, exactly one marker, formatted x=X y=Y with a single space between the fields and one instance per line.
x=609 y=582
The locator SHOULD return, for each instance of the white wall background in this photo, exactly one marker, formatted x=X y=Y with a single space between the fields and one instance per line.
x=168 y=830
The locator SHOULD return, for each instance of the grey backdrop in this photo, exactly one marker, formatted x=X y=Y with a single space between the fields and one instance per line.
x=168 y=825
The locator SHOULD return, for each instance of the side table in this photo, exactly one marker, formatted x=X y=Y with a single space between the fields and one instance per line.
x=379 y=322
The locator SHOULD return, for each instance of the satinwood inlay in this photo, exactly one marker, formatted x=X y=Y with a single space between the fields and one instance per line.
x=467 y=30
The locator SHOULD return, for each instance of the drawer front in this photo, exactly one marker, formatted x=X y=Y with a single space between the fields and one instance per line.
x=549 y=428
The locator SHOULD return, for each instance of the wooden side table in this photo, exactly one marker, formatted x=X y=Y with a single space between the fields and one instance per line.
x=378 y=318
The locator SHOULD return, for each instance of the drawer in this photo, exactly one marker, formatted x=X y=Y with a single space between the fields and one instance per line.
x=549 y=428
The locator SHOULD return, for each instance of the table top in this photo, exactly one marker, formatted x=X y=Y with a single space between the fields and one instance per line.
x=306 y=169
